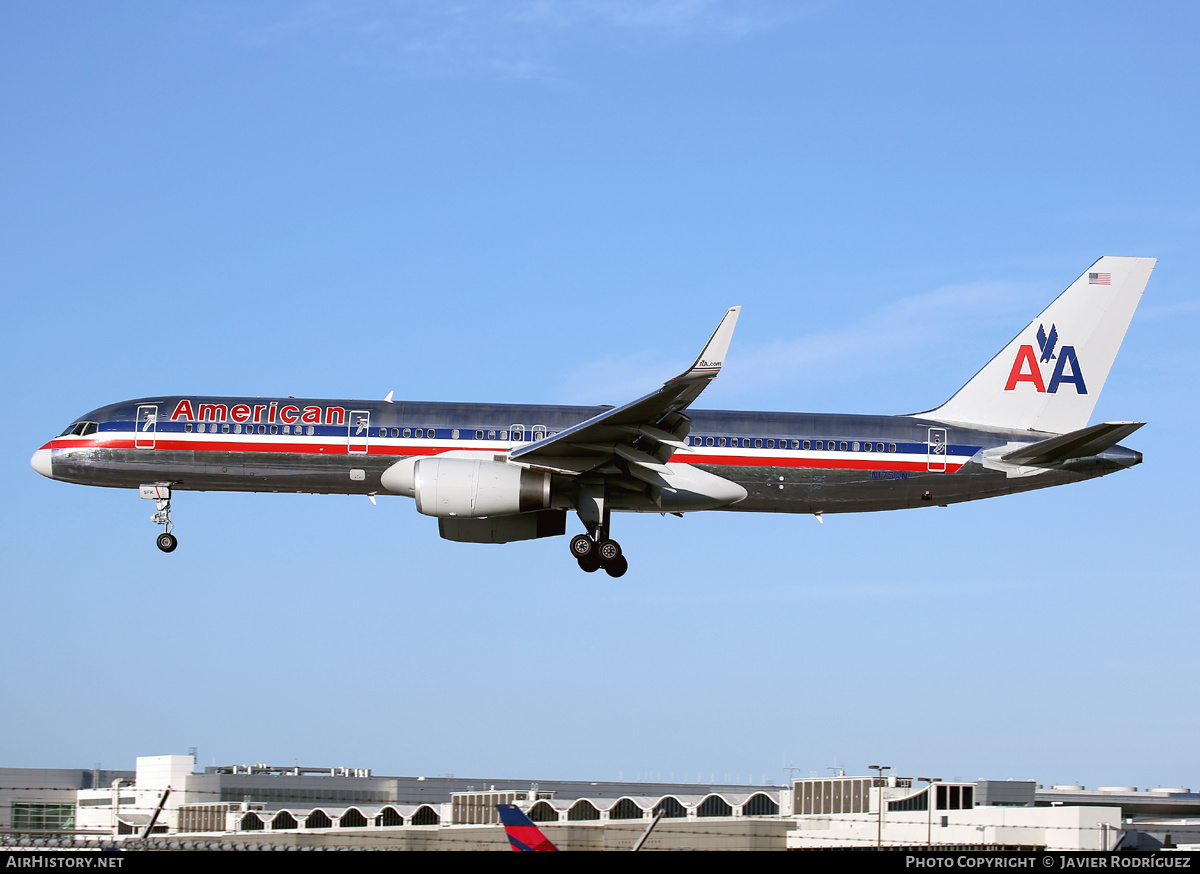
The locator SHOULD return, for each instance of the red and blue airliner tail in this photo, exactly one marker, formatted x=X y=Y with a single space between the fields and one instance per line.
x=522 y=833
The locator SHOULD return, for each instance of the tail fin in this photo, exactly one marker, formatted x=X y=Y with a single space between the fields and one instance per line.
x=522 y=833
x=1050 y=376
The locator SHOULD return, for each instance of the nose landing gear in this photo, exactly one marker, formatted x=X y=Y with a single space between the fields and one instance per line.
x=160 y=493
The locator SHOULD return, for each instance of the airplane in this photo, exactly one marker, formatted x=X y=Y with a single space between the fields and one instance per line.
x=498 y=473
x=522 y=834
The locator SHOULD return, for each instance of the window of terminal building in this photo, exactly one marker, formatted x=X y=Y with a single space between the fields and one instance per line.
x=760 y=805
x=670 y=807
x=425 y=815
x=42 y=815
x=389 y=816
x=583 y=809
x=714 y=805
x=626 y=808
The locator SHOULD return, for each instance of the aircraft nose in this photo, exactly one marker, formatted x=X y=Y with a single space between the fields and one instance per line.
x=41 y=463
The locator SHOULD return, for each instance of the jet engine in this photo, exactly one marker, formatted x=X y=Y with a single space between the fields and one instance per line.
x=467 y=487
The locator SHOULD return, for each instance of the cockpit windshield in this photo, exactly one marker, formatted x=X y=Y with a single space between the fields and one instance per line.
x=79 y=429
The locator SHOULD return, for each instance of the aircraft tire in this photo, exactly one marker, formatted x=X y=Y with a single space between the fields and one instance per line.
x=590 y=563
x=608 y=550
x=617 y=568
x=167 y=542
x=581 y=545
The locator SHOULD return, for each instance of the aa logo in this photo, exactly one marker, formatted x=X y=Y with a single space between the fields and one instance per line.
x=1027 y=366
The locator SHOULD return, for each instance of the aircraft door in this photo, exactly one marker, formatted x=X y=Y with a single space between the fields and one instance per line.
x=145 y=426
x=358 y=432
x=936 y=460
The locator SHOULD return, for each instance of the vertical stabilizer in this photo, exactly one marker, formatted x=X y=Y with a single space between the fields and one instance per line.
x=1050 y=376
x=522 y=833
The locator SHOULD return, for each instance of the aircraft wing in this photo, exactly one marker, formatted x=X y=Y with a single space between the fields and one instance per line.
x=643 y=433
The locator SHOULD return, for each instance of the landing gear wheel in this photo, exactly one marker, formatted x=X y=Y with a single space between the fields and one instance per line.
x=589 y=563
x=617 y=568
x=609 y=551
x=581 y=545
x=167 y=542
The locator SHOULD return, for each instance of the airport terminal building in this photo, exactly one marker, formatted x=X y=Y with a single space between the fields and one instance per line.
x=166 y=802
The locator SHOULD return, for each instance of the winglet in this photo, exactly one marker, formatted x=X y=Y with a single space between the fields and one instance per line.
x=522 y=833
x=713 y=355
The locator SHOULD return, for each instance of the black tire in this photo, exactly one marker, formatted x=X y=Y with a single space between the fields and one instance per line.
x=581 y=545
x=590 y=563
x=167 y=542
x=608 y=550
x=617 y=568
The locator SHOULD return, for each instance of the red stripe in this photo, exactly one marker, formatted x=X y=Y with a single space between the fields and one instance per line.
x=861 y=462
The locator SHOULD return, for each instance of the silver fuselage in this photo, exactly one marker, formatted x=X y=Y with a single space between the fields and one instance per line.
x=786 y=462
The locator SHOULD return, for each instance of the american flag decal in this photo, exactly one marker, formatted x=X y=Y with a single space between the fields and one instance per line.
x=1099 y=279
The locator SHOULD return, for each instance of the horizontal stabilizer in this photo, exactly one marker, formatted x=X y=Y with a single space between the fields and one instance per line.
x=1078 y=444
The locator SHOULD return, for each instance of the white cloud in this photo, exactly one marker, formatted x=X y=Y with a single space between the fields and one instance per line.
x=874 y=343
x=520 y=39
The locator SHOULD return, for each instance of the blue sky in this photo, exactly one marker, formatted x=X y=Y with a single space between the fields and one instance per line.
x=555 y=202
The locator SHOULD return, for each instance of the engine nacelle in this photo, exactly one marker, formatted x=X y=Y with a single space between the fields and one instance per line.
x=472 y=488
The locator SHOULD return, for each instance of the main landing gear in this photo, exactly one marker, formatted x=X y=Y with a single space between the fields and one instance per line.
x=596 y=549
x=593 y=555
x=160 y=493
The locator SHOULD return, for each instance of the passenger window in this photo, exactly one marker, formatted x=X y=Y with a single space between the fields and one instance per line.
x=274 y=429
x=287 y=429
x=432 y=433
x=796 y=444
x=710 y=442
x=891 y=447
x=454 y=434
x=478 y=435
x=841 y=446
x=720 y=441
x=771 y=443
x=262 y=429
x=758 y=443
x=408 y=432
x=237 y=429
x=503 y=435
x=866 y=447
x=310 y=430
x=188 y=427
x=808 y=444
x=225 y=428
x=419 y=432
x=491 y=435
x=879 y=447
